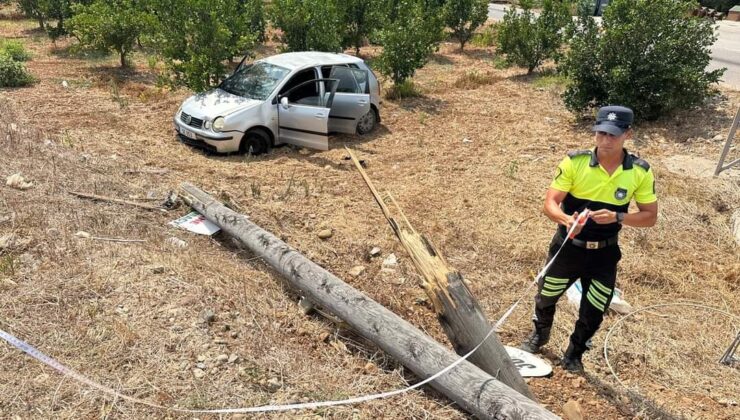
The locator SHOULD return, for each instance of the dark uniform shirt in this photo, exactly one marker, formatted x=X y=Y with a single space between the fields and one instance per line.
x=590 y=186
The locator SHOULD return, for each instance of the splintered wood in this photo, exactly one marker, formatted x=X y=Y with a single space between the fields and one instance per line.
x=458 y=311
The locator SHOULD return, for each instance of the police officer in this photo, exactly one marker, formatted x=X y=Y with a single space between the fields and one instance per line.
x=603 y=180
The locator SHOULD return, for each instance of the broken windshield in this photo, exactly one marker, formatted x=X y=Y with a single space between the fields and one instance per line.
x=255 y=81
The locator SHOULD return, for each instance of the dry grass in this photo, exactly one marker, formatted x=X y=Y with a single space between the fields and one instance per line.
x=129 y=315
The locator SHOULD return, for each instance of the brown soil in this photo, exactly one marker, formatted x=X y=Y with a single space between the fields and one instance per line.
x=130 y=315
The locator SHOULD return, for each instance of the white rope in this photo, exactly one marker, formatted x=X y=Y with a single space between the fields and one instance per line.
x=647 y=308
x=64 y=370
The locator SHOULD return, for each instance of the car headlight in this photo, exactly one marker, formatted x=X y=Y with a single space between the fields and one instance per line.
x=179 y=110
x=218 y=124
x=207 y=125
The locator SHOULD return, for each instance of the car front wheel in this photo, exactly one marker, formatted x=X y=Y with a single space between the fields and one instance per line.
x=254 y=143
x=367 y=122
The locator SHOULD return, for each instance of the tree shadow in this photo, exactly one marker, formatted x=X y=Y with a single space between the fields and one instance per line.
x=310 y=156
x=441 y=59
x=106 y=74
x=478 y=53
x=422 y=103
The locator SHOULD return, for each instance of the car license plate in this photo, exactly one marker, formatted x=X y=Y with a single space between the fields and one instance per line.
x=188 y=134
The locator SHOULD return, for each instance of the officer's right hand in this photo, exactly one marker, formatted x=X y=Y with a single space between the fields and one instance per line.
x=574 y=220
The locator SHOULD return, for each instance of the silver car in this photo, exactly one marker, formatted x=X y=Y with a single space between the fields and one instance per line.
x=296 y=98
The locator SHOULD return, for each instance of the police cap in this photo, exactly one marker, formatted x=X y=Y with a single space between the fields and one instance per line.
x=614 y=119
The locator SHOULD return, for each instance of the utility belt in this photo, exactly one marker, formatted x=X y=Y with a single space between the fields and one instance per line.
x=591 y=244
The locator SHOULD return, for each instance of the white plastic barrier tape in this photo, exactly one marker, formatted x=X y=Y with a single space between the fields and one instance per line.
x=64 y=370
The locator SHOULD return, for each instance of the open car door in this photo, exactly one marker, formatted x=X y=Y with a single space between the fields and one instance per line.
x=351 y=101
x=303 y=115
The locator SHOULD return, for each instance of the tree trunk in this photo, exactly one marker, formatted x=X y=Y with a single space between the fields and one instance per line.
x=470 y=387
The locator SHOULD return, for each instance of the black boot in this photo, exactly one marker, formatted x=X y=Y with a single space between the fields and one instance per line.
x=537 y=338
x=572 y=360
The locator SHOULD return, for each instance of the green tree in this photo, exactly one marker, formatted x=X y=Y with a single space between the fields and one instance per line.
x=307 y=25
x=359 y=19
x=651 y=55
x=47 y=11
x=408 y=39
x=196 y=37
x=528 y=40
x=109 y=25
x=464 y=17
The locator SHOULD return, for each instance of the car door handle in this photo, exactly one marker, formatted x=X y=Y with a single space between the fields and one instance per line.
x=319 y=115
x=362 y=102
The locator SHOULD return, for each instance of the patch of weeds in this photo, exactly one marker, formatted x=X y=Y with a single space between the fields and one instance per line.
x=153 y=94
x=7 y=265
x=423 y=118
x=550 y=80
x=67 y=139
x=306 y=188
x=473 y=79
x=256 y=189
x=486 y=37
x=151 y=62
x=289 y=187
x=512 y=169
x=407 y=89
x=15 y=50
x=500 y=63
x=115 y=95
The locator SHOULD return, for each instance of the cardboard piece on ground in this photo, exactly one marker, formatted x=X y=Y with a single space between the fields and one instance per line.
x=196 y=223
x=528 y=364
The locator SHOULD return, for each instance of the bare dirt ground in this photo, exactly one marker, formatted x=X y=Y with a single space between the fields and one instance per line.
x=130 y=315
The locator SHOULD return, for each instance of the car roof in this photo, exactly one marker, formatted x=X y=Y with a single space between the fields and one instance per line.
x=302 y=59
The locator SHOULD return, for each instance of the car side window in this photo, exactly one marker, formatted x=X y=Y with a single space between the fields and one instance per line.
x=307 y=94
x=326 y=70
x=350 y=80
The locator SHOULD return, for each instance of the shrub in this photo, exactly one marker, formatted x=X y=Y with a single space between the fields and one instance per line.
x=109 y=25
x=359 y=18
x=307 y=25
x=409 y=36
x=15 y=50
x=527 y=40
x=405 y=89
x=13 y=73
x=486 y=37
x=651 y=56
x=464 y=17
x=196 y=37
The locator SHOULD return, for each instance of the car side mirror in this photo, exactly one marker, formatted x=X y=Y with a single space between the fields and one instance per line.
x=284 y=102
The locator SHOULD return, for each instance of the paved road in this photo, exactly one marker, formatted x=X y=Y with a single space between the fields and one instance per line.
x=725 y=52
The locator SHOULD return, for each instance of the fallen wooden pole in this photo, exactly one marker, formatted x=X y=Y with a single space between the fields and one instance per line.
x=461 y=317
x=467 y=385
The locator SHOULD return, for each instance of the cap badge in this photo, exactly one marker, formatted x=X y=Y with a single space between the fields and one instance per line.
x=612 y=116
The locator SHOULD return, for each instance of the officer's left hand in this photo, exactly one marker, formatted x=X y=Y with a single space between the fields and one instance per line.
x=604 y=216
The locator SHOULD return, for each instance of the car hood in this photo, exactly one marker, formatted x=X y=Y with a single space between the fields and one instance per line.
x=215 y=103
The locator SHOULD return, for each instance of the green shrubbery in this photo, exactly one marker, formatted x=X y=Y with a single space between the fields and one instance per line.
x=307 y=24
x=528 y=40
x=109 y=25
x=650 y=55
x=14 y=50
x=13 y=73
x=464 y=17
x=409 y=36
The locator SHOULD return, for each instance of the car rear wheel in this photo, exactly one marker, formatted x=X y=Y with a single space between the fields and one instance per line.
x=255 y=142
x=367 y=122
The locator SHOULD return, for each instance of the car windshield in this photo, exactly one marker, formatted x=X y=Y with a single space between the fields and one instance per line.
x=255 y=81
